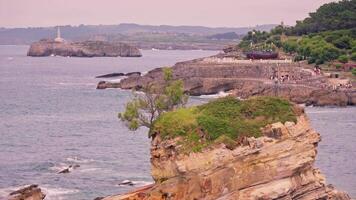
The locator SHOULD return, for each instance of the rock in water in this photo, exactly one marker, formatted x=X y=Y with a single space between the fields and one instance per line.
x=110 y=75
x=126 y=182
x=32 y=192
x=278 y=165
x=69 y=169
x=82 y=49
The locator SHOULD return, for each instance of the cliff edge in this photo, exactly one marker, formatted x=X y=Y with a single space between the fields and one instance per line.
x=276 y=164
x=82 y=49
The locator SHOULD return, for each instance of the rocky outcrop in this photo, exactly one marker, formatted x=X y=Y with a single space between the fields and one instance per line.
x=278 y=165
x=82 y=49
x=245 y=78
x=32 y=192
x=111 y=75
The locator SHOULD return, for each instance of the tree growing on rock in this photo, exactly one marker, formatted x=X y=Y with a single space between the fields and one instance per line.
x=146 y=107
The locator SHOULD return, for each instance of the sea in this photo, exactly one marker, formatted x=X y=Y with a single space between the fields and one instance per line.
x=52 y=116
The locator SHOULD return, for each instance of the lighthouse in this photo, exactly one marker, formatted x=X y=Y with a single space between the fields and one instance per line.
x=58 y=38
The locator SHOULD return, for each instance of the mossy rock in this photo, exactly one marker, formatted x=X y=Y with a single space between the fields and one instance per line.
x=223 y=120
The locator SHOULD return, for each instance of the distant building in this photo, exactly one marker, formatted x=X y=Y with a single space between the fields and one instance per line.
x=58 y=38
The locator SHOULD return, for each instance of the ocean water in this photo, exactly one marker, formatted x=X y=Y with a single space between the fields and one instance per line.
x=52 y=116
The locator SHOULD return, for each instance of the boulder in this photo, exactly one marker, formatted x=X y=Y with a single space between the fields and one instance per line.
x=32 y=192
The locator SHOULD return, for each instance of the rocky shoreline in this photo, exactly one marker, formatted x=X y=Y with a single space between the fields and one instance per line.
x=49 y=47
x=279 y=165
x=245 y=78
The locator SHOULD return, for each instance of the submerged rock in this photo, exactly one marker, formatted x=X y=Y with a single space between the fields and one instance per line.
x=32 y=192
x=82 y=49
x=105 y=84
x=110 y=75
x=69 y=169
x=278 y=165
x=126 y=182
x=119 y=74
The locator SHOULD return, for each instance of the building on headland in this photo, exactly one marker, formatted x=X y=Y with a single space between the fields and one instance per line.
x=58 y=38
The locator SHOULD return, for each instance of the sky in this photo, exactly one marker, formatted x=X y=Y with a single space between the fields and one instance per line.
x=212 y=13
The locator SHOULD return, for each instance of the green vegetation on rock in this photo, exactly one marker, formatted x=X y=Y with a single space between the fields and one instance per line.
x=222 y=121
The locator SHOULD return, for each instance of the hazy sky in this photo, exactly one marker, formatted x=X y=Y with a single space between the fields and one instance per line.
x=234 y=13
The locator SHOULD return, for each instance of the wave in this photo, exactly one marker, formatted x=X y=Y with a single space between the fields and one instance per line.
x=79 y=160
x=51 y=192
x=76 y=84
x=57 y=193
x=117 y=80
x=125 y=183
x=215 y=96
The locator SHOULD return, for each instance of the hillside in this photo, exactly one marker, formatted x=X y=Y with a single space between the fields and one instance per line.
x=107 y=32
x=327 y=36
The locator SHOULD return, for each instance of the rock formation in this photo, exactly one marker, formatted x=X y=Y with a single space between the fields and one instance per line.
x=82 y=49
x=245 y=78
x=278 y=165
x=32 y=192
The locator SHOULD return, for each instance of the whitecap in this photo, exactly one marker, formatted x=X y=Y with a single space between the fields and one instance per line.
x=142 y=183
x=117 y=80
x=79 y=160
x=57 y=193
x=4 y=192
x=215 y=96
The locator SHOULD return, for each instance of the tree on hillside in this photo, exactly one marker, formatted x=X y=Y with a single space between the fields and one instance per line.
x=146 y=107
x=331 y=16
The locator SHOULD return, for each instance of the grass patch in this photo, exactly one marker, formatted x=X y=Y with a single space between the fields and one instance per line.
x=223 y=121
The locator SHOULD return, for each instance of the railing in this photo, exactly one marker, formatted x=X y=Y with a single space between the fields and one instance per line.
x=233 y=60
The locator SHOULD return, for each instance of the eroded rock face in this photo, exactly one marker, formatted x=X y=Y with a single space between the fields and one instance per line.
x=32 y=192
x=279 y=165
x=203 y=77
x=82 y=49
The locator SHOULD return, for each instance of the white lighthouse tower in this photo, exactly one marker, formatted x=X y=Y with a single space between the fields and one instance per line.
x=58 y=38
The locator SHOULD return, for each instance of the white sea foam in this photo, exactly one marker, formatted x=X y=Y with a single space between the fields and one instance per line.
x=51 y=193
x=57 y=193
x=215 y=96
x=4 y=192
x=134 y=183
x=117 y=80
x=79 y=160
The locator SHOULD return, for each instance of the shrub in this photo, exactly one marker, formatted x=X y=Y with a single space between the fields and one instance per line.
x=337 y=66
x=343 y=42
x=353 y=71
x=353 y=56
x=223 y=120
x=343 y=59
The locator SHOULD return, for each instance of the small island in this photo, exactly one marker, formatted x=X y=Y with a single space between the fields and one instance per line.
x=260 y=148
x=61 y=47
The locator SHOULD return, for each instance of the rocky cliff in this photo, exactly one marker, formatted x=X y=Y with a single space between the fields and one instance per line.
x=278 y=165
x=245 y=78
x=82 y=49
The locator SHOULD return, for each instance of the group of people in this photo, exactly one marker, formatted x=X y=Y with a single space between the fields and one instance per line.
x=342 y=86
x=317 y=70
x=280 y=79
